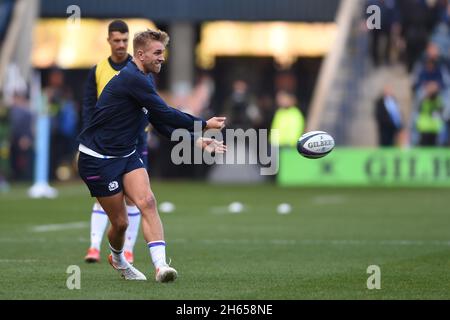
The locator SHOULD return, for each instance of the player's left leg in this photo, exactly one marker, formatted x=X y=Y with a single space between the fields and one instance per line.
x=137 y=187
x=134 y=215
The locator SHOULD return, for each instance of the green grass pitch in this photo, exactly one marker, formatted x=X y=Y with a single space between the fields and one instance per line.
x=321 y=250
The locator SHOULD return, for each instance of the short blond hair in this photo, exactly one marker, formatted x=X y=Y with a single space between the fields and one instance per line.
x=142 y=38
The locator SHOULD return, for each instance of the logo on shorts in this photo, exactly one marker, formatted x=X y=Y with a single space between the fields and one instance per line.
x=113 y=185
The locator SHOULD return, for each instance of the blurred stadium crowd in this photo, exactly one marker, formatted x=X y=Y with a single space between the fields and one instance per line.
x=415 y=33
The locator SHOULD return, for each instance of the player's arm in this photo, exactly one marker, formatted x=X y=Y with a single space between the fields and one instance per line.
x=160 y=113
x=156 y=116
x=89 y=98
x=166 y=130
x=162 y=129
x=208 y=144
x=166 y=119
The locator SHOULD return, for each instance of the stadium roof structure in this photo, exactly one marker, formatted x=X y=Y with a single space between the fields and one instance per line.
x=199 y=10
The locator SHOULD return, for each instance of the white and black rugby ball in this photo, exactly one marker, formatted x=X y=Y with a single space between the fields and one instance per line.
x=315 y=144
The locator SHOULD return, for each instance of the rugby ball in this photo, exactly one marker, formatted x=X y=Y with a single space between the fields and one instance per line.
x=315 y=144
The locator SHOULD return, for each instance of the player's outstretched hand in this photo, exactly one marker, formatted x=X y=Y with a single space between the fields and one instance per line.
x=216 y=123
x=211 y=145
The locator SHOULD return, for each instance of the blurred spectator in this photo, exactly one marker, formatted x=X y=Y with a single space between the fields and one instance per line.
x=266 y=112
x=288 y=120
x=445 y=17
x=237 y=108
x=21 y=149
x=418 y=20
x=64 y=121
x=382 y=39
x=4 y=146
x=446 y=118
x=431 y=68
x=388 y=118
x=68 y=124
x=6 y=10
x=441 y=34
x=429 y=120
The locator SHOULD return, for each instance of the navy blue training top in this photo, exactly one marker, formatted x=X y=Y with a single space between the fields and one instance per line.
x=90 y=100
x=126 y=104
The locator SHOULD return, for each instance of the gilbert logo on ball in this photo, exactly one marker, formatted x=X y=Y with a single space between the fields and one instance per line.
x=315 y=144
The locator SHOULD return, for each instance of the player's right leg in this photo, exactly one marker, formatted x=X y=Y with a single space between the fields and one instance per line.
x=115 y=208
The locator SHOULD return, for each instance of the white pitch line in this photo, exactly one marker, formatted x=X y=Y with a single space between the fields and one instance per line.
x=18 y=260
x=326 y=242
x=59 y=227
x=277 y=242
x=20 y=240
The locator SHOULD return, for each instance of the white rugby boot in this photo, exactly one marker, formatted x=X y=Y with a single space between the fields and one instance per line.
x=129 y=272
x=165 y=274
